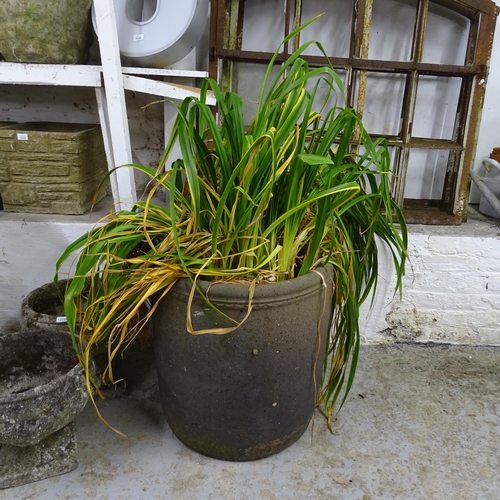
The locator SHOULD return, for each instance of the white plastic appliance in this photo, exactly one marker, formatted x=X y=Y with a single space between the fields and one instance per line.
x=158 y=33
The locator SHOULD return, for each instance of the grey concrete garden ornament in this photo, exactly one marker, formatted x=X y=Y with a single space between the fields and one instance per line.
x=42 y=390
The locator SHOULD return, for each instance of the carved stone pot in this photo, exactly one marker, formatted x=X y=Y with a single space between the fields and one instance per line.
x=43 y=309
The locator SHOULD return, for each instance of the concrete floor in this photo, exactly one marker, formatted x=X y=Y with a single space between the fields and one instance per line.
x=421 y=422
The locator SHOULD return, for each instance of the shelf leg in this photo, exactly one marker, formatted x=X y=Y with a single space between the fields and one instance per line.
x=116 y=110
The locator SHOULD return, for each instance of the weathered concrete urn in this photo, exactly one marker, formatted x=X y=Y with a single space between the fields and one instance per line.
x=42 y=390
x=43 y=308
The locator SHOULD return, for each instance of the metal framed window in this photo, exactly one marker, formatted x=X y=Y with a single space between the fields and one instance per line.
x=434 y=97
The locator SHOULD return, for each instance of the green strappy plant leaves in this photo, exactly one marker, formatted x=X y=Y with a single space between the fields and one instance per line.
x=295 y=191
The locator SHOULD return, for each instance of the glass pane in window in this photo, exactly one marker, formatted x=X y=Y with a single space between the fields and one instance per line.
x=383 y=103
x=326 y=99
x=263 y=25
x=332 y=30
x=247 y=80
x=436 y=107
x=392 y=27
x=446 y=36
x=393 y=152
x=426 y=174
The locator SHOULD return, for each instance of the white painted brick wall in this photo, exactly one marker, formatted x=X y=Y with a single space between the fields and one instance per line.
x=451 y=291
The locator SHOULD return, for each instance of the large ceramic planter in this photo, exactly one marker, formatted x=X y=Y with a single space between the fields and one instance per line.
x=42 y=390
x=250 y=393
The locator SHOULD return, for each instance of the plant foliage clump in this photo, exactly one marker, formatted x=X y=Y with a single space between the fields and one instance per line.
x=298 y=189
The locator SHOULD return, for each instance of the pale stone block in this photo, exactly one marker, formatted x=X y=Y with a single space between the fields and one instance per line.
x=34 y=172
x=54 y=455
x=19 y=194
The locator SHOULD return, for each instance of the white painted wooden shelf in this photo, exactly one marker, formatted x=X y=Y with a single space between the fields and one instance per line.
x=78 y=75
x=109 y=81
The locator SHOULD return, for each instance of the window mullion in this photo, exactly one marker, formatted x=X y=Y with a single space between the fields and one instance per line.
x=419 y=32
x=361 y=48
x=233 y=36
x=408 y=111
x=472 y=43
x=296 y=23
x=288 y=11
x=410 y=98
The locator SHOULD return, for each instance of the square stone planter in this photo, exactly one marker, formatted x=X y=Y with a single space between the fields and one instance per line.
x=42 y=31
x=51 y=168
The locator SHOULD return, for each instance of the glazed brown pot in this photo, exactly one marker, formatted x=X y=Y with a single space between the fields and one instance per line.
x=250 y=393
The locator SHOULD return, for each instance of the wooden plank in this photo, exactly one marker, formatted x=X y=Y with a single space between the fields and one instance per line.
x=100 y=95
x=50 y=74
x=77 y=75
x=164 y=89
x=117 y=111
x=185 y=73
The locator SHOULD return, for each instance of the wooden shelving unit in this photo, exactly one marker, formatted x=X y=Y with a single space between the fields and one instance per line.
x=110 y=80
